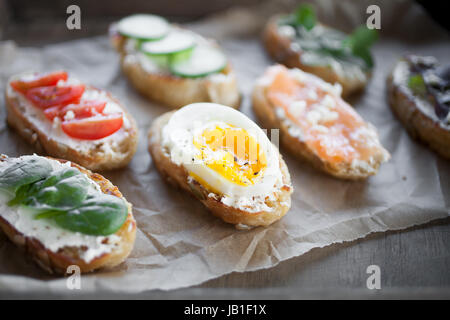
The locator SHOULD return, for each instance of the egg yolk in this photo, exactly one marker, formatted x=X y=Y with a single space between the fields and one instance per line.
x=233 y=153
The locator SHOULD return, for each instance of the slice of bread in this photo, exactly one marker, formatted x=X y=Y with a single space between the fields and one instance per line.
x=109 y=153
x=174 y=91
x=178 y=176
x=417 y=115
x=59 y=261
x=279 y=46
x=267 y=115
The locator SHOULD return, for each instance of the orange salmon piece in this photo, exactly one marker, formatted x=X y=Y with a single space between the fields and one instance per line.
x=330 y=127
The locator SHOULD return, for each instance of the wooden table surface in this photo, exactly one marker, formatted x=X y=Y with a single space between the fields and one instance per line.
x=414 y=263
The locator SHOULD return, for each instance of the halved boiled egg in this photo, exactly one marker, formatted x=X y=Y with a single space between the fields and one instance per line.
x=224 y=150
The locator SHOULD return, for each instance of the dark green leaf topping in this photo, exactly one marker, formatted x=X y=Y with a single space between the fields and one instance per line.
x=60 y=191
x=21 y=173
x=360 y=42
x=323 y=44
x=99 y=215
x=63 y=196
x=305 y=16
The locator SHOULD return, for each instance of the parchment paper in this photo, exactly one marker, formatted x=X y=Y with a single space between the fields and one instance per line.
x=178 y=242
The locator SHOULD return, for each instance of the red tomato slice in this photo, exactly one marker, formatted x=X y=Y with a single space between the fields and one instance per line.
x=40 y=80
x=45 y=97
x=52 y=112
x=93 y=128
x=85 y=109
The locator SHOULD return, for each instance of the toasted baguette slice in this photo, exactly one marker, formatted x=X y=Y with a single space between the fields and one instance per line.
x=178 y=176
x=279 y=46
x=112 y=152
x=171 y=90
x=58 y=261
x=291 y=136
x=416 y=114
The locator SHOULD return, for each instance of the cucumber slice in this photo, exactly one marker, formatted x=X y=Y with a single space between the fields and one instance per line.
x=163 y=61
x=180 y=56
x=143 y=27
x=174 y=42
x=160 y=61
x=203 y=61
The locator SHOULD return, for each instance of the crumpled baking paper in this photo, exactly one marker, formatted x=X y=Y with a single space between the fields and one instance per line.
x=179 y=243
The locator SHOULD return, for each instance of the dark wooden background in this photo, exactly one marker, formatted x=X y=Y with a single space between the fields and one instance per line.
x=34 y=22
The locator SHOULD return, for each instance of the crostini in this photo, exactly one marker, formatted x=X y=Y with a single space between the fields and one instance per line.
x=316 y=124
x=419 y=95
x=67 y=119
x=171 y=65
x=298 y=40
x=63 y=214
x=225 y=160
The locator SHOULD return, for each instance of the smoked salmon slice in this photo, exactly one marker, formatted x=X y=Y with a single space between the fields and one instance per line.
x=327 y=130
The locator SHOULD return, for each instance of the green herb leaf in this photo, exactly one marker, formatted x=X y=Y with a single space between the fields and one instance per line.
x=99 y=215
x=62 y=190
x=417 y=84
x=26 y=171
x=48 y=214
x=360 y=42
x=21 y=195
x=62 y=196
x=305 y=16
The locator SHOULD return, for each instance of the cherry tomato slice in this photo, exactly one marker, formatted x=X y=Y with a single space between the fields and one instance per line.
x=85 y=109
x=40 y=80
x=52 y=112
x=45 y=97
x=93 y=128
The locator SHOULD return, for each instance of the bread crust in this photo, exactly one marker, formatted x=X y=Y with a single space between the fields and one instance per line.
x=265 y=112
x=93 y=159
x=179 y=177
x=279 y=48
x=174 y=91
x=58 y=262
x=419 y=125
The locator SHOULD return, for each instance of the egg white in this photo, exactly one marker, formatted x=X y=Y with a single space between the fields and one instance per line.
x=190 y=121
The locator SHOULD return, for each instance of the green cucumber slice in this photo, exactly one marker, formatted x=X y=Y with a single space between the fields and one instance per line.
x=144 y=27
x=203 y=61
x=164 y=61
x=174 y=42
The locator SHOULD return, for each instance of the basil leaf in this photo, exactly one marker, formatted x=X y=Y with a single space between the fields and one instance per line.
x=48 y=214
x=62 y=196
x=21 y=194
x=305 y=16
x=62 y=190
x=417 y=84
x=99 y=215
x=360 y=42
x=28 y=170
